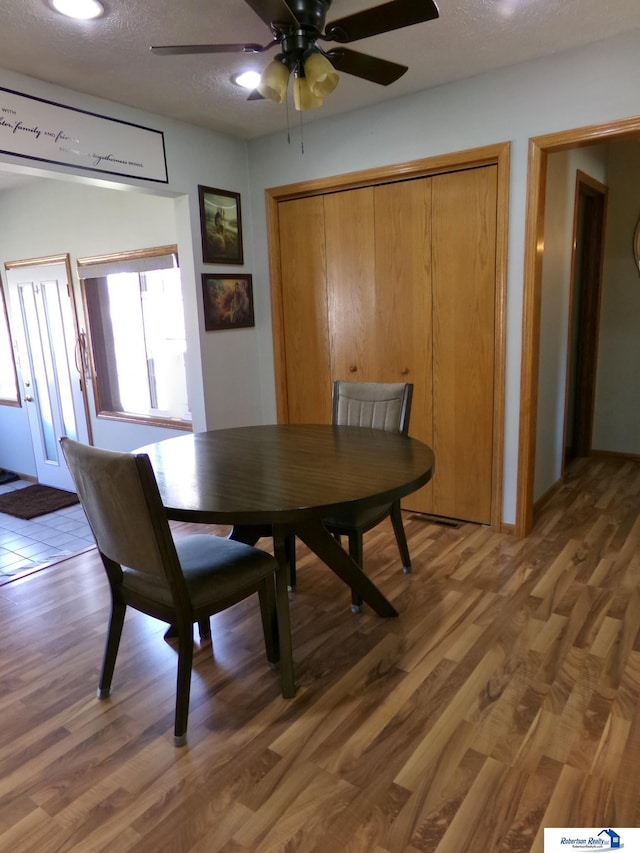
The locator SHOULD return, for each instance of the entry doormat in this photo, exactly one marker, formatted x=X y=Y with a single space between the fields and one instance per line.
x=33 y=501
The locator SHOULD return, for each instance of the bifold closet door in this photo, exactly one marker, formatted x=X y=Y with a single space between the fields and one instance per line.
x=350 y=247
x=379 y=293
x=463 y=286
x=304 y=310
x=402 y=322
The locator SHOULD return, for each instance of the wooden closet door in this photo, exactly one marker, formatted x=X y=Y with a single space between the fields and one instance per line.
x=350 y=242
x=400 y=337
x=304 y=310
x=463 y=275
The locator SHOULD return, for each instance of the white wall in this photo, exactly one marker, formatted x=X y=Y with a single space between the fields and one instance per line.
x=554 y=310
x=617 y=405
x=575 y=89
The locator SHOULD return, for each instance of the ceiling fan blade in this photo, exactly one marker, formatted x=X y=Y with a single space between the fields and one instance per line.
x=381 y=19
x=276 y=11
x=367 y=67
x=176 y=49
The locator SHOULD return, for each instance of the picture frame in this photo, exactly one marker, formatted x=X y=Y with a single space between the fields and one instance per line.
x=228 y=301
x=220 y=226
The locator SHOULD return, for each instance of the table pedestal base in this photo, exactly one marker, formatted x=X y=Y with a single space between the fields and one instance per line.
x=316 y=537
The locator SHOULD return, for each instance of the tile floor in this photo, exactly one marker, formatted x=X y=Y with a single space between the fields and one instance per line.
x=29 y=545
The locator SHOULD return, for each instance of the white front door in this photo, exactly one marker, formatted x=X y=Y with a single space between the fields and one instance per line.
x=49 y=361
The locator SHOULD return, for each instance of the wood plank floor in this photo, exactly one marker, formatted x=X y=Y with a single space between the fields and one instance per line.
x=504 y=698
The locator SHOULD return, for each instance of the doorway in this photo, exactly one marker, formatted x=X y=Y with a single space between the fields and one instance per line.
x=51 y=361
x=539 y=150
x=584 y=312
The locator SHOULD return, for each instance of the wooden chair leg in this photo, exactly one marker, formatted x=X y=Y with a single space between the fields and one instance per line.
x=284 y=634
x=401 y=537
x=183 y=687
x=116 y=621
x=267 y=596
x=356 y=552
x=290 y=552
x=204 y=627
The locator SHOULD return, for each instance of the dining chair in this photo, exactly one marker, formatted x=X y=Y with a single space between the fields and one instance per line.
x=375 y=405
x=179 y=582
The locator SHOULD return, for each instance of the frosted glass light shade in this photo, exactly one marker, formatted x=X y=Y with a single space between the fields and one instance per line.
x=322 y=78
x=273 y=82
x=303 y=97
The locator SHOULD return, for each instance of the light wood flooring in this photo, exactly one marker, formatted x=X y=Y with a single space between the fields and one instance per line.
x=504 y=698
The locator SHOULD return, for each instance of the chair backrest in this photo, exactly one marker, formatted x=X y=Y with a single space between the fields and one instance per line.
x=379 y=405
x=120 y=497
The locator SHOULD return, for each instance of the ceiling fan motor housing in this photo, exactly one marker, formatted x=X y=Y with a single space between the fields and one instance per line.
x=310 y=14
x=299 y=40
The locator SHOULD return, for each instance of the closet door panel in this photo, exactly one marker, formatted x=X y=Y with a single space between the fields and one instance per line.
x=304 y=309
x=400 y=338
x=463 y=276
x=350 y=240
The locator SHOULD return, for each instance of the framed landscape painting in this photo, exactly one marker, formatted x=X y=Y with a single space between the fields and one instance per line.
x=228 y=301
x=221 y=226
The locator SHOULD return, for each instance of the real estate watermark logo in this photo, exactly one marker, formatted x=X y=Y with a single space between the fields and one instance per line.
x=594 y=838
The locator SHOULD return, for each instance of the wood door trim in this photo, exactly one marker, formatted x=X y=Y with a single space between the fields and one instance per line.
x=469 y=159
x=41 y=262
x=490 y=155
x=277 y=316
x=502 y=235
x=539 y=149
x=594 y=189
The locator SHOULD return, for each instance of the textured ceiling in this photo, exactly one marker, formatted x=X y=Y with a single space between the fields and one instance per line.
x=110 y=57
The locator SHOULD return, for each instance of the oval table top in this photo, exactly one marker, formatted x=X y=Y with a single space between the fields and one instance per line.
x=284 y=473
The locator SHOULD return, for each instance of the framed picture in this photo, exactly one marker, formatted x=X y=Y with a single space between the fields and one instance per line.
x=221 y=226
x=228 y=301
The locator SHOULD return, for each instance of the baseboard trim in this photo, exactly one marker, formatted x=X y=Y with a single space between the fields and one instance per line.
x=615 y=454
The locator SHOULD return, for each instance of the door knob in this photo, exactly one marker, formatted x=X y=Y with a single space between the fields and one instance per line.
x=404 y=371
x=353 y=369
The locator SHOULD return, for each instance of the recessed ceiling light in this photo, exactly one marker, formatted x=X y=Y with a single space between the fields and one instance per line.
x=83 y=10
x=246 y=79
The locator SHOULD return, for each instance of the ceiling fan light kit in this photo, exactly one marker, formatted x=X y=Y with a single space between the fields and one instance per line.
x=298 y=25
x=312 y=81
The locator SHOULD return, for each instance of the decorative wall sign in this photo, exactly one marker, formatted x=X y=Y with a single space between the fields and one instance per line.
x=42 y=130
x=228 y=301
x=221 y=226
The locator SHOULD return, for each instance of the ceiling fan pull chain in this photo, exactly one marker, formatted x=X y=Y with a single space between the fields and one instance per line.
x=301 y=134
x=286 y=106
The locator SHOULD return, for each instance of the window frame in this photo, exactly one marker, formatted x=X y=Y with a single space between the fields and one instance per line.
x=4 y=313
x=84 y=267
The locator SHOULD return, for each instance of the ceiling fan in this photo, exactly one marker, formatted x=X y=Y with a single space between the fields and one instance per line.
x=297 y=26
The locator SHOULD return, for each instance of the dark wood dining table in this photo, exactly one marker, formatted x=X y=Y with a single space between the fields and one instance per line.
x=287 y=478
